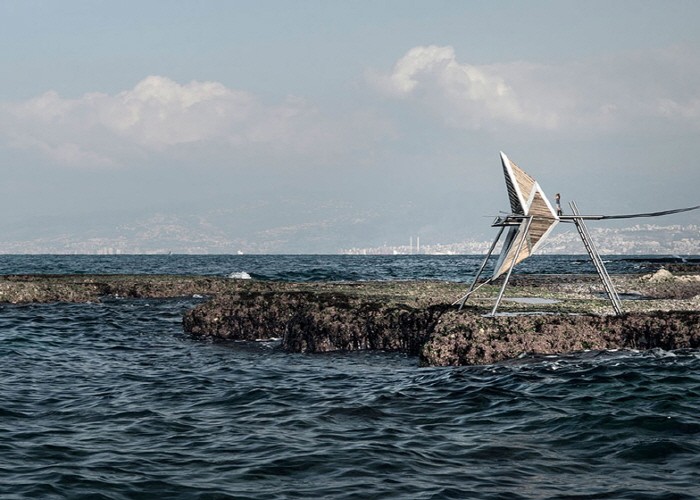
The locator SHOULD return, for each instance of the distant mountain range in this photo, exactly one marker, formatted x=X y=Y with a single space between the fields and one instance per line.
x=285 y=226
x=337 y=228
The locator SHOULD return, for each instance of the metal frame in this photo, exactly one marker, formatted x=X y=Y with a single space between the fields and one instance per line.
x=578 y=220
x=595 y=257
x=522 y=215
x=462 y=300
x=527 y=223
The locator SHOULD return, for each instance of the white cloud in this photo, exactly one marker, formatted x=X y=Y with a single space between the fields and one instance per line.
x=158 y=114
x=159 y=119
x=624 y=91
x=463 y=94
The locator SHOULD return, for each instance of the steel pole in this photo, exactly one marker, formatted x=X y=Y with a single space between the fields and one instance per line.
x=512 y=265
x=463 y=300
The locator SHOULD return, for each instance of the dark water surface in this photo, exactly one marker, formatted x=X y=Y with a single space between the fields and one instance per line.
x=321 y=267
x=111 y=400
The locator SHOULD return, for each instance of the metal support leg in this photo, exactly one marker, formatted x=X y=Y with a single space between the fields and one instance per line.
x=597 y=261
x=461 y=301
x=527 y=223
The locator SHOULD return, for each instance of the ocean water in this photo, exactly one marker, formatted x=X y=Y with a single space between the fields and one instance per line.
x=457 y=268
x=112 y=400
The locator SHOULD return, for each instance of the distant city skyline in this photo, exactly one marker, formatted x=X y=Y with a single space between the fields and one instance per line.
x=319 y=126
x=179 y=237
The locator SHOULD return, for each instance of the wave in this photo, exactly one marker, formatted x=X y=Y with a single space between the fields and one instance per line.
x=240 y=275
x=112 y=388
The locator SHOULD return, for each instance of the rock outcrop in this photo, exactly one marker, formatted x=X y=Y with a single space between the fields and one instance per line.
x=43 y=288
x=416 y=318
x=315 y=322
x=467 y=339
x=321 y=322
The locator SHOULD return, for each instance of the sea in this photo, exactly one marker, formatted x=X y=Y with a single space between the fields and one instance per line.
x=111 y=400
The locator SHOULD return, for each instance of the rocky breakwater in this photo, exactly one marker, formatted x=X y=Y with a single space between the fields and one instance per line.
x=44 y=288
x=323 y=317
x=467 y=339
x=418 y=319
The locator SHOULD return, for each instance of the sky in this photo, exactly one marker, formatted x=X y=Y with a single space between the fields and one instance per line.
x=314 y=126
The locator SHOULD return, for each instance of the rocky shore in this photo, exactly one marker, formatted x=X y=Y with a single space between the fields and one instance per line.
x=45 y=288
x=544 y=314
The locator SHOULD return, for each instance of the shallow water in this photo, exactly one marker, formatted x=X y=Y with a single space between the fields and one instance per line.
x=111 y=400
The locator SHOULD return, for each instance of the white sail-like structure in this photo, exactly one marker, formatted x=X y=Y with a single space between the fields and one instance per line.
x=530 y=210
x=531 y=220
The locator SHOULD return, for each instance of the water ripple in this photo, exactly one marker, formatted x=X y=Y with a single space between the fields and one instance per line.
x=111 y=400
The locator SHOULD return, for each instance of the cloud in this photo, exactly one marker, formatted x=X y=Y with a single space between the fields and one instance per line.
x=626 y=91
x=160 y=119
x=463 y=94
x=159 y=114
